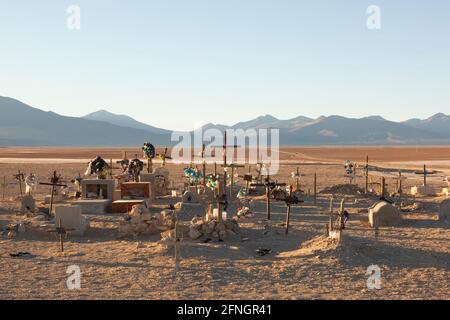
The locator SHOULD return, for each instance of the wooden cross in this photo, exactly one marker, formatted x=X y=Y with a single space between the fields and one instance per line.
x=222 y=201
x=54 y=182
x=425 y=173
x=232 y=166
x=61 y=231
x=20 y=177
x=164 y=157
x=268 y=185
x=204 y=164
x=290 y=200
x=4 y=185
x=400 y=179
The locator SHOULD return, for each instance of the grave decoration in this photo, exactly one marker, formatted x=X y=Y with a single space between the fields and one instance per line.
x=98 y=167
x=77 y=181
x=149 y=153
x=193 y=175
x=134 y=168
x=124 y=163
x=31 y=183
x=349 y=168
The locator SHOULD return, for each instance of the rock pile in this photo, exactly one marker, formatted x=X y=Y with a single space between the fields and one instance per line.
x=212 y=229
x=141 y=221
x=347 y=189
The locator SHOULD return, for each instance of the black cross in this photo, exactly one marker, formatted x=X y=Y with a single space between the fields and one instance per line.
x=61 y=231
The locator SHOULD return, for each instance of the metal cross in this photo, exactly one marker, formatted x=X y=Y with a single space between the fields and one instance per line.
x=54 y=182
x=61 y=231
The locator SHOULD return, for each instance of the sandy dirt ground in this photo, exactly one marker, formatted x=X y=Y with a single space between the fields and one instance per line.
x=414 y=256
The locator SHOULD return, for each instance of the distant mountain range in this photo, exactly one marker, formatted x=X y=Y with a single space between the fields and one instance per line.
x=23 y=125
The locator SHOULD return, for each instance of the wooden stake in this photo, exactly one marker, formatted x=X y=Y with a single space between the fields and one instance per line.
x=204 y=165
x=268 y=201
x=366 y=175
x=4 y=185
x=383 y=187
x=288 y=213
x=425 y=175
x=315 y=188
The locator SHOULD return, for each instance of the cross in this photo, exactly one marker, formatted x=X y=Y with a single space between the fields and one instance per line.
x=61 y=231
x=54 y=183
x=425 y=173
x=4 y=185
x=163 y=157
x=232 y=166
x=290 y=200
x=400 y=179
x=268 y=185
x=20 y=177
x=204 y=164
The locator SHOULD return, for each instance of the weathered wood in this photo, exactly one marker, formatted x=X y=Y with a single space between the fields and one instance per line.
x=315 y=188
x=54 y=183
x=20 y=177
x=366 y=175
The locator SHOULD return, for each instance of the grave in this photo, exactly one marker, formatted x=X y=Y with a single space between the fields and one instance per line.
x=132 y=193
x=98 y=188
x=135 y=190
x=71 y=218
x=384 y=214
x=28 y=204
x=96 y=195
x=423 y=190
x=161 y=176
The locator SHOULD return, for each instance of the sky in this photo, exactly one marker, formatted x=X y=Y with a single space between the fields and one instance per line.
x=177 y=63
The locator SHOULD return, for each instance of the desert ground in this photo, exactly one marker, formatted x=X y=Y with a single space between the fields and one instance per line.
x=413 y=256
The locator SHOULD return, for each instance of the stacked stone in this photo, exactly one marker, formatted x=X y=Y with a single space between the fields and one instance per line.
x=212 y=229
x=141 y=221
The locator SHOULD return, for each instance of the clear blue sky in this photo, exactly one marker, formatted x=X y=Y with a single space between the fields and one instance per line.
x=176 y=62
